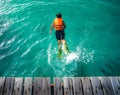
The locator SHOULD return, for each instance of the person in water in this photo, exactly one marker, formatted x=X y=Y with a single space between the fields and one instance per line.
x=59 y=25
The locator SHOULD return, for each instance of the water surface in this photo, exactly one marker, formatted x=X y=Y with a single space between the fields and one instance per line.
x=28 y=49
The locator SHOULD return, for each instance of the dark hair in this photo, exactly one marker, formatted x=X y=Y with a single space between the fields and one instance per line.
x=59 y=15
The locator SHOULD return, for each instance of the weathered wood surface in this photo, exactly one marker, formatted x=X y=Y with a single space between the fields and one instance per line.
x=77 y=86
x=96 y=86
x=28 y=86
x=2 y=83
x=58 y=86
x=46 y=86
x=115 y=85
x=38 y=86
x=87 y=90
x=68 y=86
x=8 y=89
x=62 y=86
x=107 y=86
x=18 y=86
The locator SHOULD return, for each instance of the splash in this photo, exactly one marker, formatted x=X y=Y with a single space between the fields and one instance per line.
x=71 y=57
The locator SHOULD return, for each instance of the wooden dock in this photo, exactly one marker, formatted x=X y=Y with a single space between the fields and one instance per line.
x=61 y=86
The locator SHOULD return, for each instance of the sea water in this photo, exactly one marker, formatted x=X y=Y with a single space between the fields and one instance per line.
x=92 y=34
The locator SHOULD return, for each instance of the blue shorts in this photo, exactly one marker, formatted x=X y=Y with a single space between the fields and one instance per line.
x=60 y=34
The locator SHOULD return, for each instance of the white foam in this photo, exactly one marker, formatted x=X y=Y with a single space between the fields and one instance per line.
x=71 y=57
x=49 y=52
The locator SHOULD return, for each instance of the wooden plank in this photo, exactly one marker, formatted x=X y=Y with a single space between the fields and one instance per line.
x=18 y=86
x=8 y=86
x=38 y=86
x=46 y=86
x=77 y=86
x=2 y=83
x=118 y=78
x=58 y=86
x=87 y=90
x=28 y=86
x=107 y=86
x=116 y=85
x=96 y=86
x=68 y=86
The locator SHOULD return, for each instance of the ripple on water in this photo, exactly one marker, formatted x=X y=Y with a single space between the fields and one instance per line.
x=28 y=50
x=26 y=47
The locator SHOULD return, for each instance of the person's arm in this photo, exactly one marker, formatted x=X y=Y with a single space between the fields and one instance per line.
x=51 y=28
x=64 y=25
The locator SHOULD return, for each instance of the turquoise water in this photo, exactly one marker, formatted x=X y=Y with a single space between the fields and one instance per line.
x=28 y=49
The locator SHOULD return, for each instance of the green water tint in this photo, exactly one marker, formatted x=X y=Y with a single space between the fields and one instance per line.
x=59 y=53
x=65 y=50
x=92 y=35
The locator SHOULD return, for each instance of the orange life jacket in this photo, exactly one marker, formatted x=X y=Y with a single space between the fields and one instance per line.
x=58 y=24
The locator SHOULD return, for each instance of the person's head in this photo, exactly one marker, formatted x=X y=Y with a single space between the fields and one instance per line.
x=59 y=15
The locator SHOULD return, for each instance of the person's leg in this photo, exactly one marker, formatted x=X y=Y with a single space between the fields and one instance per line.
x=63 y=41
x=59 y=49
x=58 y=38
x=62 y=37
x=65 y=47
x=59 y=43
